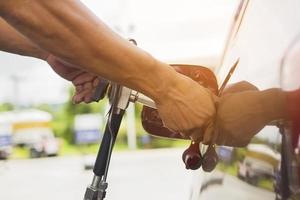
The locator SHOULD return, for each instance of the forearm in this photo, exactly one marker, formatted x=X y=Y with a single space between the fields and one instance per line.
x=68 y=30
x=13 y=42
x=243 y=114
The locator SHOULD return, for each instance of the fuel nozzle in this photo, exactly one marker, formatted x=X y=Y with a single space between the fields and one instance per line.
x=210 y=159
x=192 y=157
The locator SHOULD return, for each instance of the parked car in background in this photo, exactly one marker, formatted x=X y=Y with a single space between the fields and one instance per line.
x=260 y=162
x=32 y=129
x=5 y=135
x=47 y=145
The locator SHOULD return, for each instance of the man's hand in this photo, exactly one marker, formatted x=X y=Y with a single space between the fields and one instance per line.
x=243 y=111
x=85 y=83
x=188 y=108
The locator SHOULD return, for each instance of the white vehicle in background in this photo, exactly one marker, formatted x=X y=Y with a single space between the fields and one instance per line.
x=260 y=162
x=5 y=135
x=32 y=129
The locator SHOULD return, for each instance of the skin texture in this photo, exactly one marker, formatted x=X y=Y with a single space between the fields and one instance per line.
x=81 y=47
x=85 y=83
x=14 y=42
x=243 y=111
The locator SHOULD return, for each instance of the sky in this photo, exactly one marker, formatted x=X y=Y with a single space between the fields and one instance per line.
x=191 y=31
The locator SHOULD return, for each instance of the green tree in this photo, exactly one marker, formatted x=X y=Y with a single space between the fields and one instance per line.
x=6 y=107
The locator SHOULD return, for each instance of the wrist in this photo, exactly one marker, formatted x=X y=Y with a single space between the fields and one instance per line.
x=273 y=103
x=293 y=109
x=162 y=79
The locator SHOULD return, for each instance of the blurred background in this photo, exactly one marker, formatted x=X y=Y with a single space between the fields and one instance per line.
x=48 y=144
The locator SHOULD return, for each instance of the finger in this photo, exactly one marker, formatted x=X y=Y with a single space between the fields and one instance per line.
x=88 y=86
x=85 y=86
x=79 y=97
x=76 y=99
x=88 y=98
x=96 y=82
x=88 y=90
x=78 y=88
x=83 y=78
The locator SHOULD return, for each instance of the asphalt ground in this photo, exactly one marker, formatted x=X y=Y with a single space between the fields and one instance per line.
x=147 y=175
x=133 y=175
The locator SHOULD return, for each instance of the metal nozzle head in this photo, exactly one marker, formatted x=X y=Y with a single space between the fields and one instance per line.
x=90 y=193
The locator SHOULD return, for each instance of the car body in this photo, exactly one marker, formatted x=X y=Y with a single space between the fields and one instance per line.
x=262 y=34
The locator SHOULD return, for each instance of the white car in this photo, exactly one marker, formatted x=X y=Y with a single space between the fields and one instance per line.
x=264 y=34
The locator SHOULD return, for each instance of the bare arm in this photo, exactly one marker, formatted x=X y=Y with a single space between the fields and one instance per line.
x=14 y=42
x=67 y=29
x=243 y=111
